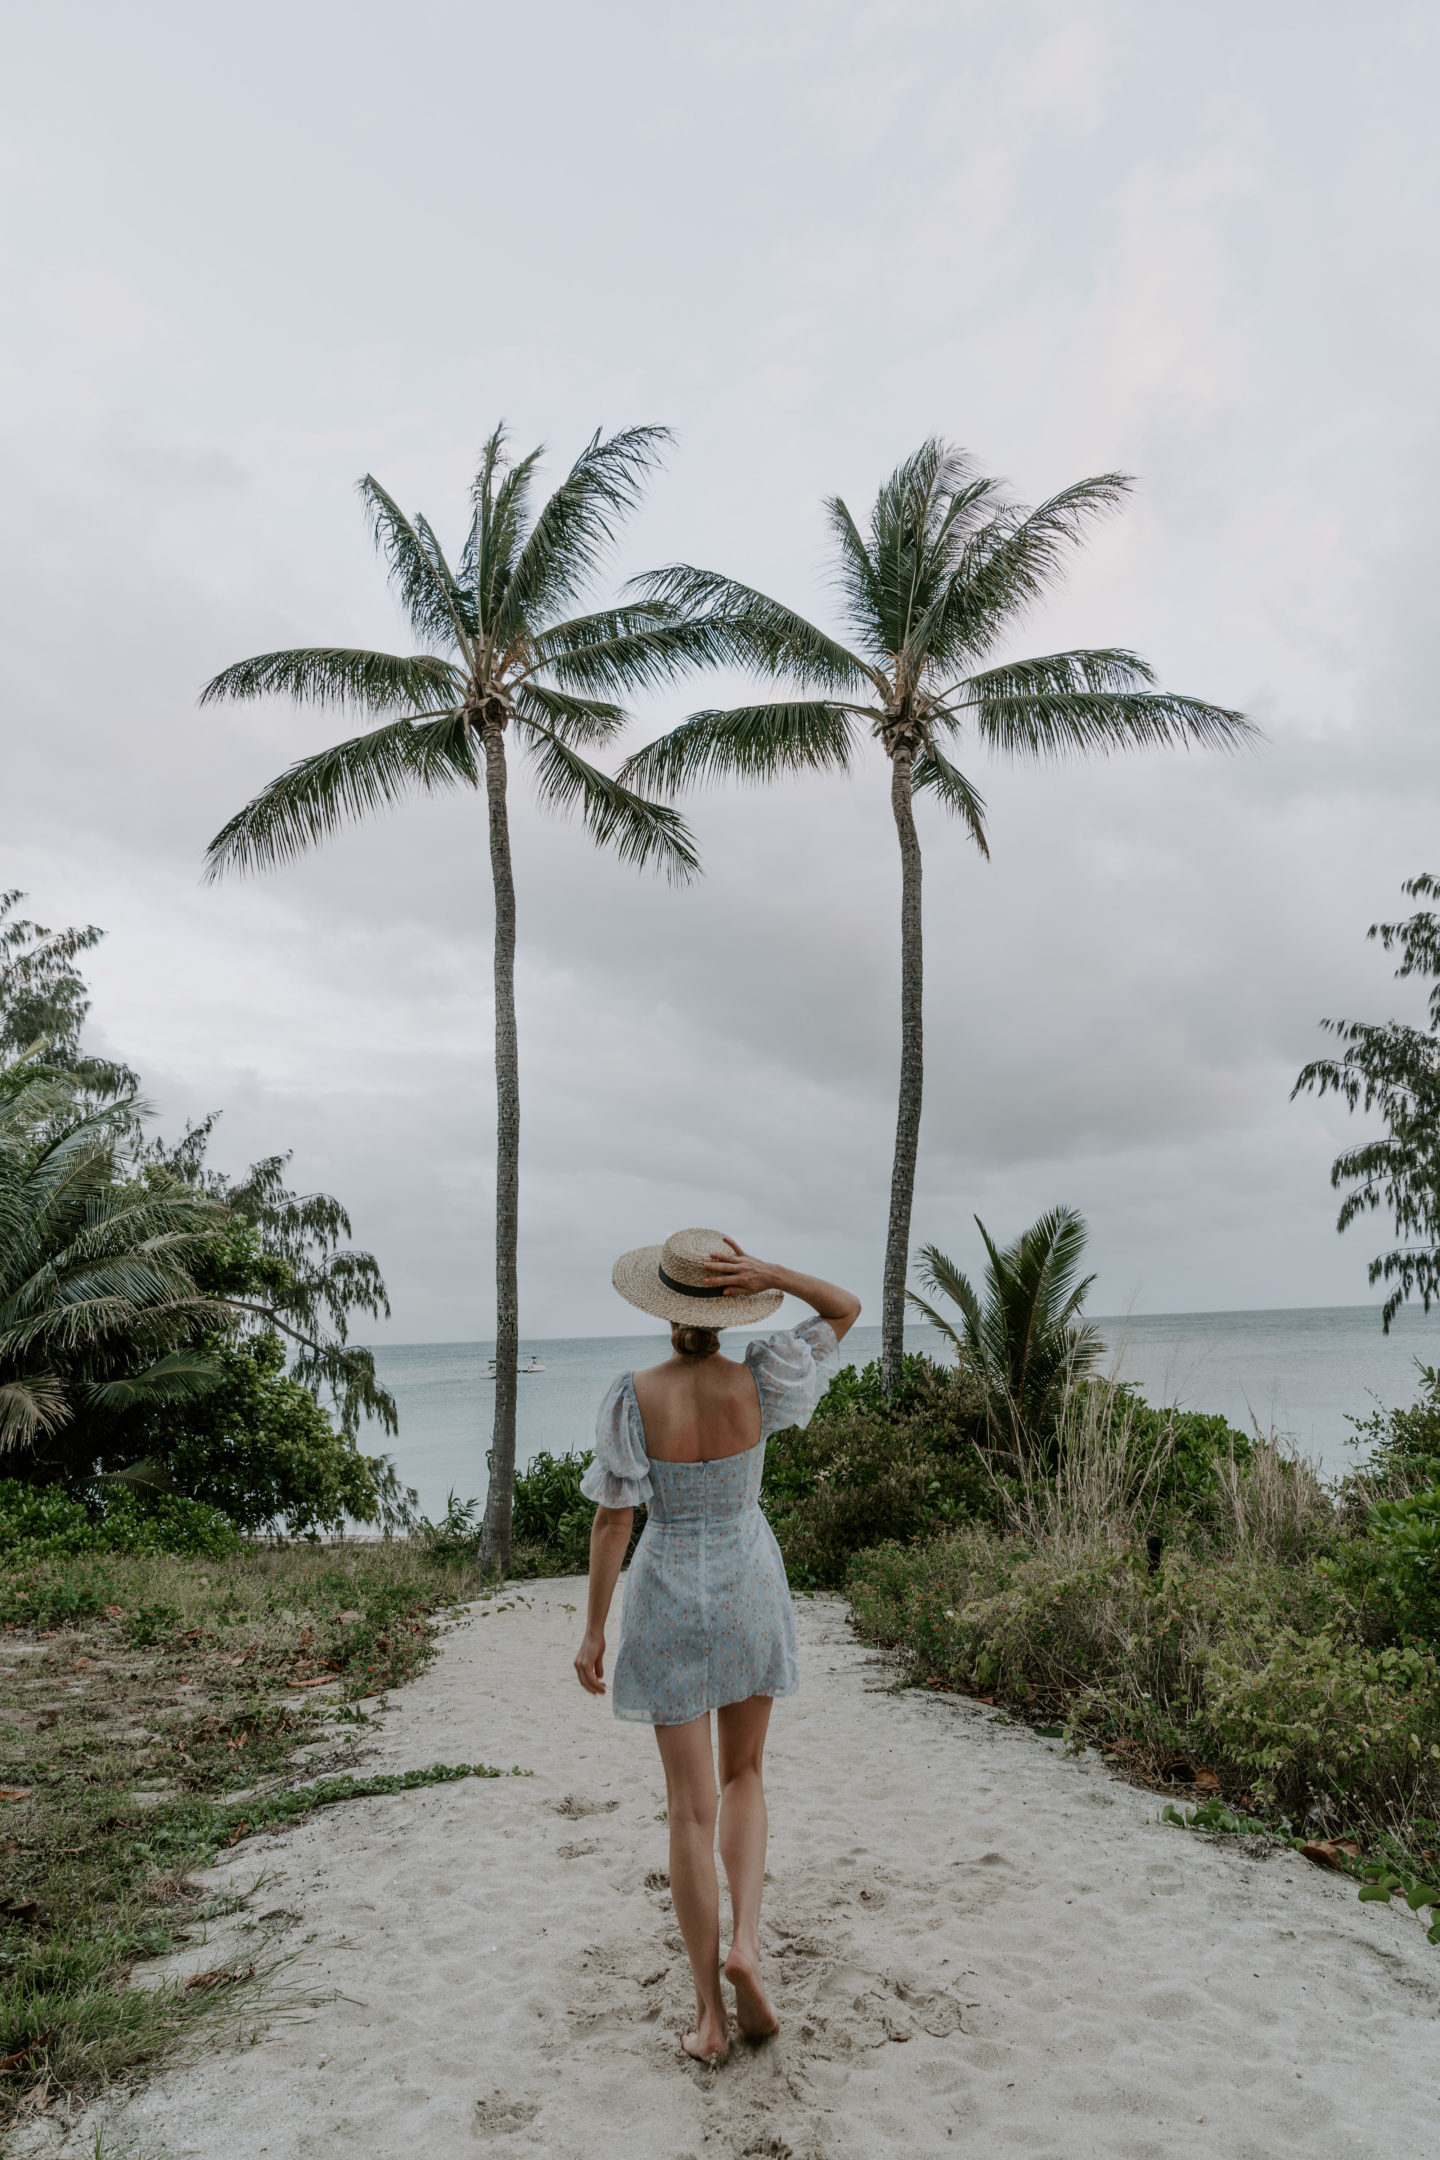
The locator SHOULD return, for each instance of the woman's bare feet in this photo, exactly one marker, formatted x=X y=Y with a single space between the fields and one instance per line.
x=754 y=2012
x=705 y=2045
x=710 y=2041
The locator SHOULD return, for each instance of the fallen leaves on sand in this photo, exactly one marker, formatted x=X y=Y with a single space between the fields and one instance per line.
x=1330 y=1852
x=22 y=2055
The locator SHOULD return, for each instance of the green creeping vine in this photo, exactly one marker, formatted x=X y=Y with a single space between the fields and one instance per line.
x=1378 y=1881
x=194 y=1830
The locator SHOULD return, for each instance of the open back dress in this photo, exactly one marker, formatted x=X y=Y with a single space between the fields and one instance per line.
x=707 y=1618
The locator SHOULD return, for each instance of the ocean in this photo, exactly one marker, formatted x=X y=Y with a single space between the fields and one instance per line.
x=1303 y=1372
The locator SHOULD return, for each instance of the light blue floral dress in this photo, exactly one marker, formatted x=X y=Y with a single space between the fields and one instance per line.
x=707 y=1617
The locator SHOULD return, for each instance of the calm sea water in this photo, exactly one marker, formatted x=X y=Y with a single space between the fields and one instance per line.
x=1304 y=1372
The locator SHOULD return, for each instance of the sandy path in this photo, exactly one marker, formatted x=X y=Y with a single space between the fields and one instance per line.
x=976 y=1945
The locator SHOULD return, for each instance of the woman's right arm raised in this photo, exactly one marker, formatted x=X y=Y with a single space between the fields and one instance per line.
x=739 y=1275
x=609 y=1536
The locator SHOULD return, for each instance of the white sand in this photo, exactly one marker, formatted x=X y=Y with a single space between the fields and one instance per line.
x=976 y=1946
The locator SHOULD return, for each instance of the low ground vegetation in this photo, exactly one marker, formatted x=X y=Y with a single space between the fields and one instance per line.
x=1229 y=1628
x=155 y=1707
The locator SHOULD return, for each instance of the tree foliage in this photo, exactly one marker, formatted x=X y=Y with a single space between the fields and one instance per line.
x=1393 y=1068
x=144 y=1297
x=44 y=998
x=283 y=1264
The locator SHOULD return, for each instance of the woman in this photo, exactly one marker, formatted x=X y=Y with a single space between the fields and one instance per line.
x=708 y=1623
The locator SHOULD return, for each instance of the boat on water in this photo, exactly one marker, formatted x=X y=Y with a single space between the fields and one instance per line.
x=534 y=1366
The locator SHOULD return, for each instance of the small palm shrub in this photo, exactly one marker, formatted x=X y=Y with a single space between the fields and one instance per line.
x=1023 y=1339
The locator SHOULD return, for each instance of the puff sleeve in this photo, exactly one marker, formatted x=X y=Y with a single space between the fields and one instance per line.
x=619 y=1476
x=792 y=1372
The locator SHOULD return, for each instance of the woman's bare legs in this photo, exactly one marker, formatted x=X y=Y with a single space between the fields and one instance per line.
x=694 y=1888
x=743 y=1828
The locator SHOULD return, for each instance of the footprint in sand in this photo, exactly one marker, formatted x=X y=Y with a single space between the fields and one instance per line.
x=499 y=2116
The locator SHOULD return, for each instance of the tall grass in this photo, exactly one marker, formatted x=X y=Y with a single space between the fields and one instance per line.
x=1097 y=1484
x=1275 y=1503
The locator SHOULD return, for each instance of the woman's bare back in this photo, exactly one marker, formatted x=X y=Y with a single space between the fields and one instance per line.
x=697 y=1410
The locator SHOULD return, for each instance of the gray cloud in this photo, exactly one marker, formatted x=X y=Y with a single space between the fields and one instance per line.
x=1075 y=237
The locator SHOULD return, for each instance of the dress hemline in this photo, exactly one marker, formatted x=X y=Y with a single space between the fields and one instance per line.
x=642 y=1717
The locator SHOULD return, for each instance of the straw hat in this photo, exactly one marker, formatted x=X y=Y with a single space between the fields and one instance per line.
x=670 y=1281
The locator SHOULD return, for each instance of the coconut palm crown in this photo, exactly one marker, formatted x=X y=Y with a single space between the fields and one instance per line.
x=505 y=653
x=947 y=566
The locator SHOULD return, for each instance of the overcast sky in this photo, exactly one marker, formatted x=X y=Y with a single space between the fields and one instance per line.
x=249 y=254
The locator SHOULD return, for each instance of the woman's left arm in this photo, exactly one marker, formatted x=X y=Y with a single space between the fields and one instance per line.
x=609 y=1536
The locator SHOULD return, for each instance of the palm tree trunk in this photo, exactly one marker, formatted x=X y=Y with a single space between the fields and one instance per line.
x=912 y=1077
x=500 y=1500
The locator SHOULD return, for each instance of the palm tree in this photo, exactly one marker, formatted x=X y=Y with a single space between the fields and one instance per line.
x=501 y=655
x=98 y=1299
x=1025 y=1341
x=948 y=564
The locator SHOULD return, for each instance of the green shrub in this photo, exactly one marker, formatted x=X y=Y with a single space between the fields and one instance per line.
x=1193 y=1445
x=261 y=1449
x=866 y=1470
x=552 y=1513
x=553 y=1517
x=1251 y=1666
x=46 y=1522
x=1403 y=1563
x=39 y=1599
x=1404 y=1444
x=1325 y=1717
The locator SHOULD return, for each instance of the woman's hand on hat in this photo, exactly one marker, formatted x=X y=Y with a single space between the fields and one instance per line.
x=738 y=1274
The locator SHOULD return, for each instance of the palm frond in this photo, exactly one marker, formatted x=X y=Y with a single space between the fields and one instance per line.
x=762 y=633
x=1101 y=669
x=937 y=1320
x=577 y=525
x=1049 y=724
x=499 y=494
x=425 y=590
x=347 y=782
x=933 y=771
x=1012 y=561
x=917 y=515
x=179 y=1377
x=640 y=646
x=36 y=1403
x=855 y=574
x=462 y=603
x=752 y=742
x=335 y=675
x=615 y=816
x=577 y=719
